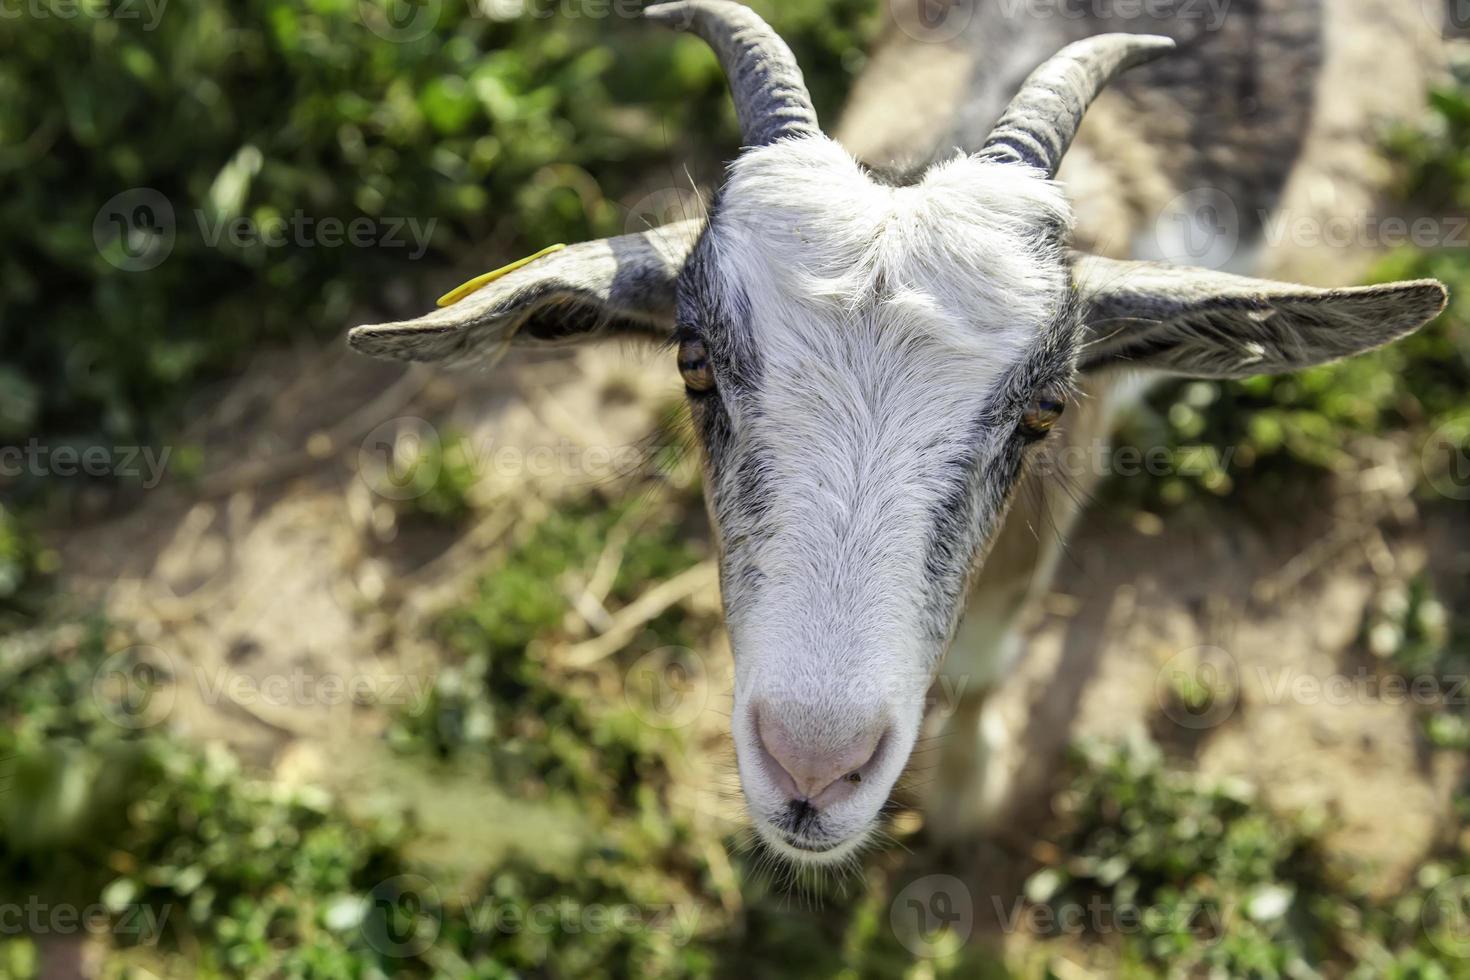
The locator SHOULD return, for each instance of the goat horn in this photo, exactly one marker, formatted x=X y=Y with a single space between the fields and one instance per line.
x=770 y=95
x=1042 y=120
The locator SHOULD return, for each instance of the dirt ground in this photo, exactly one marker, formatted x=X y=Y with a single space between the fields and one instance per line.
x=280 y=558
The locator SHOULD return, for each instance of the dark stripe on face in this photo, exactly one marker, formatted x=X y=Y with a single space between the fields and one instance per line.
x=736 y=470
x=957 y=535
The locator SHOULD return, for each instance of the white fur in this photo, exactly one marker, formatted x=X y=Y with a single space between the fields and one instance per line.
x=883 y=316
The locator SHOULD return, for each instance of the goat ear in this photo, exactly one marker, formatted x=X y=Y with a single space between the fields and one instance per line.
x=614 y=287
x=1208 y=324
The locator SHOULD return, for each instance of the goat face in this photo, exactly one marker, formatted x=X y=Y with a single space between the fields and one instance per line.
x=862 y=362
x=869 y=367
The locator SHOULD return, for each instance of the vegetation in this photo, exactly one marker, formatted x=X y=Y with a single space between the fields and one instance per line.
x=23 y=567
x=237 y=134
x=1197 y=878
x=496 y=703
x=190 y=858
x=1416 y=637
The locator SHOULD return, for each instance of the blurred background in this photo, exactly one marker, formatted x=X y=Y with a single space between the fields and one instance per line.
x=311 y=666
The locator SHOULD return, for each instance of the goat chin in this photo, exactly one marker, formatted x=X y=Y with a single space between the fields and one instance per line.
x=838 y=854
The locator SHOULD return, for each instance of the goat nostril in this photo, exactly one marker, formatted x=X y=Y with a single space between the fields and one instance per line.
x=802 y=771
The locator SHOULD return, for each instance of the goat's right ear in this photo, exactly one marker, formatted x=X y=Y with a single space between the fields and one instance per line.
x=1207 y=324
x=614 y=287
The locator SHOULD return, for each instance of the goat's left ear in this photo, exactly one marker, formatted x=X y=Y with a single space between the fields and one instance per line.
x=614 y=287
x=1208 y=324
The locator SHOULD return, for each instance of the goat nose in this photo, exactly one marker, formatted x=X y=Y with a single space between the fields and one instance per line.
x=804 y=771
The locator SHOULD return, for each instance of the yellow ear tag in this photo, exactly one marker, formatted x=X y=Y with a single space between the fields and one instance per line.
x=479 y=282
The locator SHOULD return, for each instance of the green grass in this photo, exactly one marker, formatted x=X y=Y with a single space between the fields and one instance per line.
x=197 y=859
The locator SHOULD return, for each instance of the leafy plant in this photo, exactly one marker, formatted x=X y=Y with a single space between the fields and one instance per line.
x=1426 y=644
x=24 y=565
x=224 y=175
x=1189 y=876
x=1437 y=166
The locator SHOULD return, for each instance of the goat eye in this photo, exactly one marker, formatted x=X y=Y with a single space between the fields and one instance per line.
x=1045 y=408
x=694 y=366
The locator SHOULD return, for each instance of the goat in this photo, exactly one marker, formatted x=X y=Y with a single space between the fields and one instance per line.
x=873 y=362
